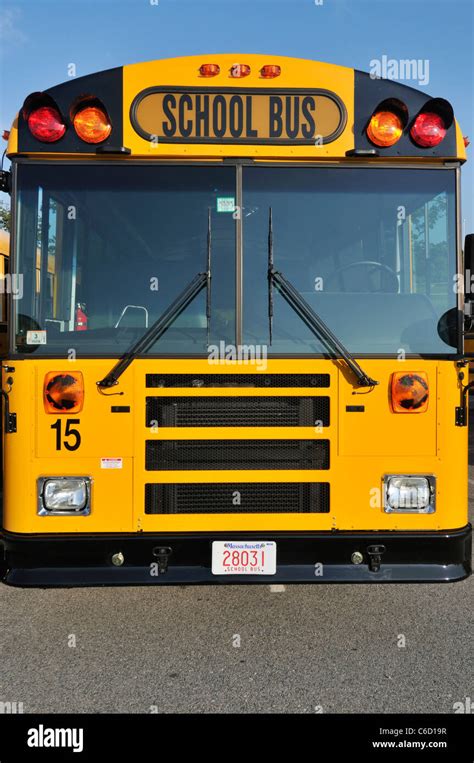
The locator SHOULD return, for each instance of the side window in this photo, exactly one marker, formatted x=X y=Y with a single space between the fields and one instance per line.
x=424 y=246
x=56 y=265
x=4 y=270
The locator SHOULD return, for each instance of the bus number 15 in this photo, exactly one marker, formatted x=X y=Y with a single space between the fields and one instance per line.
x=69 y=432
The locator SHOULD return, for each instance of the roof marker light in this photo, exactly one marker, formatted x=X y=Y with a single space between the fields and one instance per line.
x=209 y=70
x=269 y=71
x=239 y=70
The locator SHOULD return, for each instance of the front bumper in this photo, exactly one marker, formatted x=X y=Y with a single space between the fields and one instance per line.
x=320 y=557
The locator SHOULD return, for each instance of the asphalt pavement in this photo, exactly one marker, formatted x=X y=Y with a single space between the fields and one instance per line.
x=302 y=648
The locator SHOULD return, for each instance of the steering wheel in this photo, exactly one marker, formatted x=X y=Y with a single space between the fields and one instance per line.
x=391 y=285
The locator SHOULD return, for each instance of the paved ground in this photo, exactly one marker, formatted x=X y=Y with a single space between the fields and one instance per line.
x=174 y=649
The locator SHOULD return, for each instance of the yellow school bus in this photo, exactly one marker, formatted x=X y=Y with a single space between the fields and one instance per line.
x=238 y=352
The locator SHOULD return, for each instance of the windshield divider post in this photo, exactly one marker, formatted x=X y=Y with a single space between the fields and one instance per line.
x=208 y=277
x=270 y=275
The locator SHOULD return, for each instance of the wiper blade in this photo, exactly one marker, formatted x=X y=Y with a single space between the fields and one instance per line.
x=167 y=318
x=307 y=314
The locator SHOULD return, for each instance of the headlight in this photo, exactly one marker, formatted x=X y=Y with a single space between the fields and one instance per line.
x=409 y=495
x=64 y=495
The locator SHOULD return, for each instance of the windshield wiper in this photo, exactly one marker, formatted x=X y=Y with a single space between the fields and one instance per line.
x=167 y=318
x=307 y=314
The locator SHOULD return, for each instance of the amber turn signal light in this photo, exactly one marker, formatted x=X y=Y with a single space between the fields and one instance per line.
x=63 y=392
x=409 y=392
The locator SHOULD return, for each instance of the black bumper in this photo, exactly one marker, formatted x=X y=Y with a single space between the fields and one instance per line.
x=320 y=557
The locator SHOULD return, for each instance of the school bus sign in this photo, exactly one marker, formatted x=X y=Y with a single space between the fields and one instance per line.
x=259 y=116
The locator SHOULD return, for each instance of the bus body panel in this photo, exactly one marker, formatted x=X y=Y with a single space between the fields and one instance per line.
x=364 y=446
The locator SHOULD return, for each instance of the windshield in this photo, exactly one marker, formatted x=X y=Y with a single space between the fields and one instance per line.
x=104 y=250
x=371 y=250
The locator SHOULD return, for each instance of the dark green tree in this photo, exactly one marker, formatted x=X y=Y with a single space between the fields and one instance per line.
x=5 y=216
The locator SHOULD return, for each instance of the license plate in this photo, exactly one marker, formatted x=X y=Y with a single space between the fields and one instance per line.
x=243 y=557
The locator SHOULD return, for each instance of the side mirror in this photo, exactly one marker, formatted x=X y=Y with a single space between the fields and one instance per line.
x=468 y=282
x=468 y=262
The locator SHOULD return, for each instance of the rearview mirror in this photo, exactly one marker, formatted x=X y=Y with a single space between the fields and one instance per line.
x=468 y=281
x=469 y=259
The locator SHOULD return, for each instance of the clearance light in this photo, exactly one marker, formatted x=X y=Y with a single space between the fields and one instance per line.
x=209 y=70
x=428 y=130
x=63 y=392
x=270 y=70
x=63 y=495
x=92 y=124
x=240 y=70
x=46 y=124
x=409 y=495
x=385 y=128
x=409 y=393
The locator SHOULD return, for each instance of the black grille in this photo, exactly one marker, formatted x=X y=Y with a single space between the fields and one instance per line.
x=236 y=454
x=237 y=411
x=243 y=498
x=237 y=380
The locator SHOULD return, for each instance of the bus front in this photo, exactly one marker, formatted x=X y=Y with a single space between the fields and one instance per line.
x=235 y=348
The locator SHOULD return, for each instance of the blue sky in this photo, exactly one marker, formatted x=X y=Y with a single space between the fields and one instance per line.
x=39 y=38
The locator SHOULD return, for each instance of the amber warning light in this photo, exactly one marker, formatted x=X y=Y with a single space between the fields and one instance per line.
x=92 y=124
x=385 y=128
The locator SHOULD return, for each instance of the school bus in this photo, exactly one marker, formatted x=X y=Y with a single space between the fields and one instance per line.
x=237 y=356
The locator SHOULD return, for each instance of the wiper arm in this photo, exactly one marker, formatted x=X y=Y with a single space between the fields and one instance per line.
x=167 y=318
x=307 y=314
